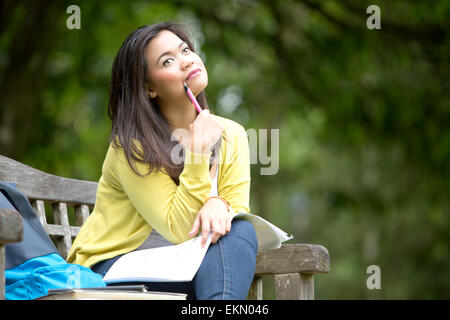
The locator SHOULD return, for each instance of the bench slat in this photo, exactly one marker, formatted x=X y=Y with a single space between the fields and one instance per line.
x=39 y=209
x=294 y=286
x=36 y=184
x=81 y=214
x=61 y=218
x=256 y=289
x=58 y=231
x=293 y=258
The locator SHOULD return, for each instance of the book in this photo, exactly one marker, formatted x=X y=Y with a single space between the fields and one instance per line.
x=179 y=263
x=116 y=292
x=269 y=236
x=83 y=294
x=128 y=288
x=176 y=263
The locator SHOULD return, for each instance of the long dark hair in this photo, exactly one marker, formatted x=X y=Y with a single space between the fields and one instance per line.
x=136 y=117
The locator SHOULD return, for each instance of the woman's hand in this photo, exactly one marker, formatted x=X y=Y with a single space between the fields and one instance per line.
x=203 y=133
x=213 y=216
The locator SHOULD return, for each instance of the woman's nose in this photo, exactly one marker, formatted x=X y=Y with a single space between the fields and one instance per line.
x=187 y=62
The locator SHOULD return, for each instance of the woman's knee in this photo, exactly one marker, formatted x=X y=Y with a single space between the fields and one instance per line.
x=229 y=265
x=243 y=229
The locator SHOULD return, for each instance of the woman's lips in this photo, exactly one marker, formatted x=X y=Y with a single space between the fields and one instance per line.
x=193 y=73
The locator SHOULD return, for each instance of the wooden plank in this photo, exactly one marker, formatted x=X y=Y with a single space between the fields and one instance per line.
x=61 y=218
x=256 y=289
x=36 y=184
x=294 y=286
x=39 y=209
x=287 y=286
x=293 y=258
x=57 y=231
x=81 y=214
x=306 y=286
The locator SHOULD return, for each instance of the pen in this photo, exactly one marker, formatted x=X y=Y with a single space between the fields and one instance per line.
x=191 y=97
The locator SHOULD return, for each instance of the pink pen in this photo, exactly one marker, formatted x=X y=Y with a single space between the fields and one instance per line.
x=191 y=97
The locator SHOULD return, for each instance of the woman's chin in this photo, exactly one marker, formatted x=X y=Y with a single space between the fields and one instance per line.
x=198 y=84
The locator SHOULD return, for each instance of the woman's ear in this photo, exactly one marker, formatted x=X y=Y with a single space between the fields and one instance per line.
x=151 y=93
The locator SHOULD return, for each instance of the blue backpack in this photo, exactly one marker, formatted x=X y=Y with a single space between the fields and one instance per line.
x=34 y=266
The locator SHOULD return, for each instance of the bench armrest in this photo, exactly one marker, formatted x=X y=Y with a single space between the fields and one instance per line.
x=293 y=267
x=293 y=258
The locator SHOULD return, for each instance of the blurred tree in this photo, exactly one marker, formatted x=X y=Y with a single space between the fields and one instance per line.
x=363 y=116
x=28 y=29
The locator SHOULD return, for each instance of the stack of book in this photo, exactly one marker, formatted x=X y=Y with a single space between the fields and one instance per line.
x=134 y=292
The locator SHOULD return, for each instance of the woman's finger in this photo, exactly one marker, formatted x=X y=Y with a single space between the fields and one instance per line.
x=223 y=226
x=195 y=226
x=206 y=227
x=229 y=219
x=215 y=236
x=216 y=228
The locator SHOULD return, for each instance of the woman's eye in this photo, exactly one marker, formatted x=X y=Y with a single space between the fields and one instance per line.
x=167 y=62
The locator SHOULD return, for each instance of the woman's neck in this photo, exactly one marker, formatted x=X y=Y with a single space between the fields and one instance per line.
x=179 y=115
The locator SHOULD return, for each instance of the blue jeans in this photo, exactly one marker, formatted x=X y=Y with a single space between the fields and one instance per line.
x=225 y=273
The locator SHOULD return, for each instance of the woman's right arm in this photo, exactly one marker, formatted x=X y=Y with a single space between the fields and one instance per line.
x=168 y=208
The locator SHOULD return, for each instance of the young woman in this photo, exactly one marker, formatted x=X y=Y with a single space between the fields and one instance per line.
x=170 y=172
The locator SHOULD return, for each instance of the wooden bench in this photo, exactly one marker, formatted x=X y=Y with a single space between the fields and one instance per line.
x=68 y=203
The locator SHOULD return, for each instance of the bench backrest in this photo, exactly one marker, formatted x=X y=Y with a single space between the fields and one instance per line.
x=62 y=204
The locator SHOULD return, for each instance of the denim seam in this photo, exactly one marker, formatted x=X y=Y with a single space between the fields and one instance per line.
x=224 y=271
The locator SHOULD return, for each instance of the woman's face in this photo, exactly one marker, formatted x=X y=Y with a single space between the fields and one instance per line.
x=170 y=63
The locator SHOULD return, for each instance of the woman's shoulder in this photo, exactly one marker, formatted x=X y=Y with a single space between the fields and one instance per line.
x=231 y=127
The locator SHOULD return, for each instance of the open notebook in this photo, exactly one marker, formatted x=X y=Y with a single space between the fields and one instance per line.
x=180 y=262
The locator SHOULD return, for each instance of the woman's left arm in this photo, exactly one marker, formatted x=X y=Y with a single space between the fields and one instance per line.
x=235 y=183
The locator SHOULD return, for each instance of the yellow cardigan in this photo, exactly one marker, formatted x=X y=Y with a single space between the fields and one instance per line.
x=128 y=206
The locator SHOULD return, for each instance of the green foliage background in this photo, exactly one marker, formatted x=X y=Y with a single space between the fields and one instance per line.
x=363 y=117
